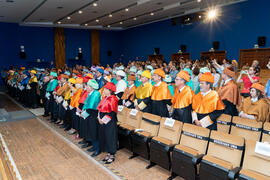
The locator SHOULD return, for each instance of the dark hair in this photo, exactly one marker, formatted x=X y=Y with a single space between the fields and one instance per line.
x=196 y=71
x=211 y=84
x=259 y=94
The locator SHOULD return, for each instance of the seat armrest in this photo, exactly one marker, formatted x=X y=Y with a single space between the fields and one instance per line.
x=234 y=173
x=197 y=159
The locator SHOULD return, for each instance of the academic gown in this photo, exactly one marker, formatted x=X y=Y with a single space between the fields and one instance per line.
x=259 y=109
x=128 y=96
x=74 y=102
x=230 y=96
x=143 y=97
x=32 y=94
x=81 y=122
x=209 y=105
x=182 y=104
x=107 y=135
x=90 y=106
x=160 y=98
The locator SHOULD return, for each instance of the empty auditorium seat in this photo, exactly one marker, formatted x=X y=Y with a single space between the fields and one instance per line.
x=162 y=144
x=266 y=132
x=247 y=128
x=141 y=139
x=126 y=128
x=187 y=155
x=224 y=123
x=223 y=156
x=255 y=166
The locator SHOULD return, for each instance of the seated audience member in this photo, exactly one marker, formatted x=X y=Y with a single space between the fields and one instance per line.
x=255 y=107
x=127 y=99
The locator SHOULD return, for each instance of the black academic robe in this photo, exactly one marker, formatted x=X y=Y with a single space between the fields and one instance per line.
x=230 y=108
x=183 y=114
x=92 y=125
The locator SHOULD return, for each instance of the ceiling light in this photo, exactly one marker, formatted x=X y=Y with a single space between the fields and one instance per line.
x=199 y=1
x=80 y=12
x=68 y=17
x=97 y=20
x=108 y=26
x=110 y=15
x=152 y=14
x=95 y=4
x=126 y=9
x=134 y=19
x=121 y=22
x=59 y=22
x=200 y=16
x=212 y=14
x=86 y=24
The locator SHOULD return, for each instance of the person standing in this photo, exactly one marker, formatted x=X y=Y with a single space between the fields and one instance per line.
x=107 y=118
x=229 y=92
x=207 y=105
x=161 y=95
x=182 y=99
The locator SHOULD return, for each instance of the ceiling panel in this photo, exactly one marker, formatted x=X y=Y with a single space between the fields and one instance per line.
x=15 y=11
x=50 y=13
x=40 y=11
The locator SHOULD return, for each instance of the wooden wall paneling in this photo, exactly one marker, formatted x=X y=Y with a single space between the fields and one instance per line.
x=155 y=57
x=218 y=55
x=95 y=46
x=59 y=47
x=260 y=54
x=176 y=57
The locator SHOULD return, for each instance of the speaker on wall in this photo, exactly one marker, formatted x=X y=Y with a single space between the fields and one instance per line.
x=157 y=50
x=261 y=40
x=22 y=55
x=80 y=55
x=109 y=53
x=174 y=21
x=216 y=45
x=183 y=48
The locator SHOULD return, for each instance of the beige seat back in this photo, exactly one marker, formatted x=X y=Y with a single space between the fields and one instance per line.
x=266 y=132
x=195 y=137
x=255 y=162
x=247 y=128
x=170 y=133
x=224 y=122
x=122 y=115
x=134 y=121
x=150 y=123
x=226 y=147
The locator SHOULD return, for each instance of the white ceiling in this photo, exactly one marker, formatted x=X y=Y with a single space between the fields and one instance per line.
x=50 y=12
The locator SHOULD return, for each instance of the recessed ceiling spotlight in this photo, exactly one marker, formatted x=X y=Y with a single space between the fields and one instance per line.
x=152 y=14
x=110 y=15
x=68 y=17
x=134 y=19
x=80 y=12
x=97 y=20
x=199 y=1
x=59 y=22
x=108 y=26
x=200 y=16
x=121 y=22
x=86 y=24
x=95 y=4
x=126 y=9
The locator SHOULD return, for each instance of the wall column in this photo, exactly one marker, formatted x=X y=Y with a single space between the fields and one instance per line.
x=59 y=47
x=95 y=46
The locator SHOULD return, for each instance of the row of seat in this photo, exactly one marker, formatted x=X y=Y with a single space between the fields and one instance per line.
x=189 y=150
x=247 y=128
